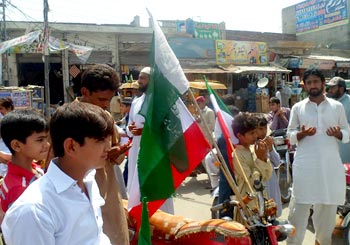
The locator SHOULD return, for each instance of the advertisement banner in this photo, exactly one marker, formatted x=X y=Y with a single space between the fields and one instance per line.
x=320 y=14
x=26 y=44
x=241 y=53
x=21 y=99
x=25 y=39
x=206 y=30
x=319 y=64
x=201 y=30
x=192 y=47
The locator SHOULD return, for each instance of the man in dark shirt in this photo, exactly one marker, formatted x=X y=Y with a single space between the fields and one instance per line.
x=278 y=117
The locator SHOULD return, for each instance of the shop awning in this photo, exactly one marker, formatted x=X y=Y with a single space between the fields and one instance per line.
x=323 y=62
x=201 y=85
x=325 y=57
x=134 y=85
x=255 y=69
x=212 y=70
x=238 y=69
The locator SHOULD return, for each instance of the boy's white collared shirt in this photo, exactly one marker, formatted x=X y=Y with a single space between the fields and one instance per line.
x=54 y=210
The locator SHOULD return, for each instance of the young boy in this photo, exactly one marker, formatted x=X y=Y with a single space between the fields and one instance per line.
x=6 y=105
x=25 y=133
x=64 y=206
x=272 y=186
x=244 y=128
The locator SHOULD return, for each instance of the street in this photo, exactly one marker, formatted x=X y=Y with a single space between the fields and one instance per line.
x=193 y=201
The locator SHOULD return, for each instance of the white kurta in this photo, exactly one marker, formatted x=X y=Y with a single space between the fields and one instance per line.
x=318 y=173
x=139 y=120
x=133 y=178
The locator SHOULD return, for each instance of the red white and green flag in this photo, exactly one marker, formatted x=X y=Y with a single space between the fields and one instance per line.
x=223 y=122
x=172 y=143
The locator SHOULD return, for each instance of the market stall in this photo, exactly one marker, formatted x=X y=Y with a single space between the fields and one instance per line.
x=25 y=97
x=198 y=88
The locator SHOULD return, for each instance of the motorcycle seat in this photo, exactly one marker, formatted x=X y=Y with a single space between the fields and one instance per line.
x=223 y=227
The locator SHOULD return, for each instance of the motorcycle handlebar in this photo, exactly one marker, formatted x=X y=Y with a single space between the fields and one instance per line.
x=224 y=205
x=279 y=132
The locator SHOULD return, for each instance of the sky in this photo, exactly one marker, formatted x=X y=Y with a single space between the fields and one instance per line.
x=247 y=15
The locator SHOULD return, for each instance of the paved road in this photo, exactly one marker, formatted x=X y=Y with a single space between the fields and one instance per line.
x=193 y=201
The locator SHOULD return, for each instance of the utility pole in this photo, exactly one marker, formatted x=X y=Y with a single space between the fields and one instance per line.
x=4 y=38
x=46 y=59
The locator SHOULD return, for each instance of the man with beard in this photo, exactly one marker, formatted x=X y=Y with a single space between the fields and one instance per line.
x=337 y=91
x=134 y=130
x=316 y=125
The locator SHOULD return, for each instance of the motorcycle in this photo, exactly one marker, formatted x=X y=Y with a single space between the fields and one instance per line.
x=260 y=228
x=284 y=171
x=343 y=211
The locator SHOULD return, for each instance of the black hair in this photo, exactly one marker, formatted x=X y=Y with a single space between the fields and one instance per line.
x=7 y=103
x=100 y=77
x=20 y=124
x=228 y=99
x=275 y=100
x=233 y=109
x=315 y=72
x=261 y=120
x=243 y=123
x=78 y=120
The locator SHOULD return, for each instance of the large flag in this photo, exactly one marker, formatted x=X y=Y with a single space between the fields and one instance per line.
x=223 y=122
x=172 y=143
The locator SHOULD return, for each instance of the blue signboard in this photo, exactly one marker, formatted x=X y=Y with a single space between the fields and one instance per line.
x=320 y=14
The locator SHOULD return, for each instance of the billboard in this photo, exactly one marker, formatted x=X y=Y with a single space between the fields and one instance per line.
x=201 y=30
x=241 y=52
x=192 y=48
x=320 y=14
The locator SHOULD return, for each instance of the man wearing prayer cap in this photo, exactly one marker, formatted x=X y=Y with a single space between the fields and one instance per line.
x=337 y=90
x=134 y=131
x=209 y=116
x=200 y=99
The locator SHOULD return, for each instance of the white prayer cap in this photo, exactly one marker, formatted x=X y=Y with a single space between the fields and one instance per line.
x=146 y=70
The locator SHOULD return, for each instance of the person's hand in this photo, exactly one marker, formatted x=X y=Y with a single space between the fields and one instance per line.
x=269 y=142
x=116 y=151
x=135 y=130
x=334 y=131
x=281 y=112
x=5 y=157
x=261 y=148
x=308 y=131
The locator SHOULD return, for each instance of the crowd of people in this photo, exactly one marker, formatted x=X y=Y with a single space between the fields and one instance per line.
x=82 y=145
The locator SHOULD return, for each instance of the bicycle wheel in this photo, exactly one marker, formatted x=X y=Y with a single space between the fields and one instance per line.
x=285 y=186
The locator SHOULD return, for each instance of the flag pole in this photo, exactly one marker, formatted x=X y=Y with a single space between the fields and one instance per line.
x=223 y=164
x=234 y=152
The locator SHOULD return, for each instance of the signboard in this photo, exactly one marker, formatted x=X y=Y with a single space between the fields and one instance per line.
x=319 y=64
x=21 y=99
x=192 y=48
x=343 y=64
x=207 y=30
x=25 y=39
x=320 y=14
x=201 y=30
x=240 y=52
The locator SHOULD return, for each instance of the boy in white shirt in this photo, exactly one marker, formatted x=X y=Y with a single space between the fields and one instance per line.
x=63 y=206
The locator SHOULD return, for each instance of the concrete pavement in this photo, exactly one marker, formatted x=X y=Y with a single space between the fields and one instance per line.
x=193 y=201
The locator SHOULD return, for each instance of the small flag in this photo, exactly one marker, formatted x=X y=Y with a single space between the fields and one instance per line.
x=224 y=120
x=74 y=71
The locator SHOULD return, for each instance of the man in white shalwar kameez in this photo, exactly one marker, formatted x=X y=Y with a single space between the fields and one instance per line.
x=316 y=125
x=134 y=130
